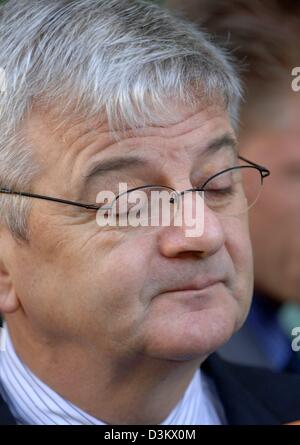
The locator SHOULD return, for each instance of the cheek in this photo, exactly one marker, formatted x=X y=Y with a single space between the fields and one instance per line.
x=89 y=287
x=116 y=267
x=114 y=290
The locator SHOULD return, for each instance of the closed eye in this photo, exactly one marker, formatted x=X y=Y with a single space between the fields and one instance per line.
x=221 y=191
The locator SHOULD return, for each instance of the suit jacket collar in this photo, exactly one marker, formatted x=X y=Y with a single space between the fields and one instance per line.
x=6 y=417
x=240 y=405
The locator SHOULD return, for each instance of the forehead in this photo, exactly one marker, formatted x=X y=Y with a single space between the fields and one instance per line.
x=91 y=137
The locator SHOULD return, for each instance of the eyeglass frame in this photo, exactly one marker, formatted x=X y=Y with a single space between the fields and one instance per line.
x=264 y=172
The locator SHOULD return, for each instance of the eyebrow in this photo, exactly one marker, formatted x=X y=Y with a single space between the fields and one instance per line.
x=121 y=162
x=226 y=140
x=115 y=164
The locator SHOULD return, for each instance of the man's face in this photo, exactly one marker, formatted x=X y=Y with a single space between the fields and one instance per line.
x=275 y=219
x=148 y=290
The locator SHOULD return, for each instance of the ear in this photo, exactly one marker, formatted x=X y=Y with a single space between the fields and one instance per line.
x=8 y=299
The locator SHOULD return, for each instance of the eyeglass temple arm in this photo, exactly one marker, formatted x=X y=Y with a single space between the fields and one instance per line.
x=48 y=198
x=264 y=171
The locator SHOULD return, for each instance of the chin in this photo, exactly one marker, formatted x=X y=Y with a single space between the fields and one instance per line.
x=191 y=336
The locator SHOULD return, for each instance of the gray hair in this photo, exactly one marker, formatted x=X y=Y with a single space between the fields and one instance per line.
x=119 y=60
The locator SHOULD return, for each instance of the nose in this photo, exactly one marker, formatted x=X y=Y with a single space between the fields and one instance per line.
x=174 y=242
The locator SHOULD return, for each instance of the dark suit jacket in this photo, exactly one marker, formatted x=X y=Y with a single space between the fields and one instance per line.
x=250 y=396
x=248 y=347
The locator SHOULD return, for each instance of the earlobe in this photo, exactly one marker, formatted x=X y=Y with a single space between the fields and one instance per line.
x=9 y=302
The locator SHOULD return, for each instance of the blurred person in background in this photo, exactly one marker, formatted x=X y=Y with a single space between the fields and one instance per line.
x=264 y=36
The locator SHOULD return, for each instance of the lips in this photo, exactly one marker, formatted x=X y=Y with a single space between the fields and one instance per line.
x=195 y=285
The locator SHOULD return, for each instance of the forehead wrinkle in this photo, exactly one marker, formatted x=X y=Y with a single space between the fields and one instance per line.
x=54 y=156
x=188 y=123
x=39 y=132
x=162 y=147
x=78 y=159
x=153 y=133
x=71 y=133
x=132 y=146
x=79 y=141
x=85 y=139
x=88 y=137
x=207 y=125
x=89 y=140
x=200 y=140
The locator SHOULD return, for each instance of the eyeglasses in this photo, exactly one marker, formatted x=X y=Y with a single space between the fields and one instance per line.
x=230 y=192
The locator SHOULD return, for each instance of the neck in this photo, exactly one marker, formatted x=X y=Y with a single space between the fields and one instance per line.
x=134 y=389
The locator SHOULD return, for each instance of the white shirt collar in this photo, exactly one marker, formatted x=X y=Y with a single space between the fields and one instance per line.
x=32 y=402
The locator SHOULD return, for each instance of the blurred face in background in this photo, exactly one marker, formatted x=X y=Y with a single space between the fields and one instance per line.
x=271 y=136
